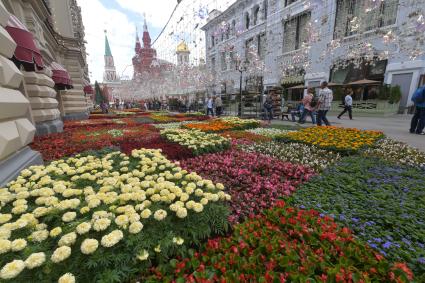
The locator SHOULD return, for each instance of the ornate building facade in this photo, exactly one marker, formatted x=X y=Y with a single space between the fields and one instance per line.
x=43 y=72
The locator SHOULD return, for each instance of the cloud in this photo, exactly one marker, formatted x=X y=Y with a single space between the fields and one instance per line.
x=157 y=11
x=96 y=19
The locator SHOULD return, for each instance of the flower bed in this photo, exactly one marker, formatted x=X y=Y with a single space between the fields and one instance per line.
x=172 y=151
x=268 y=132
x=73 y=141
x=104 y=217
x=344 y=140
x=253 y=180
x=242 y=135
x=398 y=152
x=285 y=245
x=197 y=141
x=210 y=126
x=298 y=153
x=224 y=124
x=383 y=203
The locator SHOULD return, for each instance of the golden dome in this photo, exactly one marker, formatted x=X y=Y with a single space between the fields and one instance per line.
x=182 y=47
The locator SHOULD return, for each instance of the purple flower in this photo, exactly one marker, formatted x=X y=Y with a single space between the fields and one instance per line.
x=387 y=245
x=421 y=260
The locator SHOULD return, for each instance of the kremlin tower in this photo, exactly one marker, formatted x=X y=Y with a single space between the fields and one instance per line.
x=110 y=74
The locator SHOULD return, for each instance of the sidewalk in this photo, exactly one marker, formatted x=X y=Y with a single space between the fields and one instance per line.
x=395 y=127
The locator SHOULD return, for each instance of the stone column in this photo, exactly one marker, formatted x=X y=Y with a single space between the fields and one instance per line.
x=16 y=125
x=39 y=87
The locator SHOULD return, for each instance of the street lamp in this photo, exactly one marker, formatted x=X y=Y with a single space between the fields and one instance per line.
x=241 y=67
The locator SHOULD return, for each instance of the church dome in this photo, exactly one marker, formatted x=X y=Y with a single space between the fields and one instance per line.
x=182 y=47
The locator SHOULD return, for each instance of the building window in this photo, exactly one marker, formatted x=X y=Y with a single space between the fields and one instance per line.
x=247 y=20
x=232 y=60
x=213 y=64
x=223 y=61
x=356 y=16
x=212 y=41
x=250 y=49
x=256 y=10
x=265 y=9
x=295 y=32
x=227 y=31
x=289 y=2
x=261 y=48
x=233 y=27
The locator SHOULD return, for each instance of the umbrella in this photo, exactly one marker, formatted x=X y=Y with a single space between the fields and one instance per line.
x=334 y=84
x=365 y=82
x=298 y=87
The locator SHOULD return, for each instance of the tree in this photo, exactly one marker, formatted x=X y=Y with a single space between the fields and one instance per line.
x=99 y=99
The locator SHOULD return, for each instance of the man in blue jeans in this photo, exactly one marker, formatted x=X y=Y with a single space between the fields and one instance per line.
x=418 y=120
x=325 y=103
x=297 y=112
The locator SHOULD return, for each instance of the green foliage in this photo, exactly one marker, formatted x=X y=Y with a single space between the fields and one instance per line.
x=395 y=95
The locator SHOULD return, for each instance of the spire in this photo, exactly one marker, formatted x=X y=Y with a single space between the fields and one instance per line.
x=107 y=47
x=145 y=25
x=146 y=36
x=138 y=45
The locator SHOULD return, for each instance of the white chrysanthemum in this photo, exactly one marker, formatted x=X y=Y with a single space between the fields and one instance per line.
x=219 y=186
x=197 y=207
x=157 y=249
x=60 y=254
x=67 y=278
x=39 y=236
x=121 y=220
x=18 y=245
x=181 y=212
x=55 y=232
x=204 y=201
x=101 y=224
x=178 y=241
x=135 y=227
x=89 y=246
x=83 y=228
x=69 y=216
x=143 y=255
x=112 y=238
x=160 y=215
x=146 y=213
x=12 y=269
x=5 y=246
x=5 y=218
x=68 y=239
x=35 y=260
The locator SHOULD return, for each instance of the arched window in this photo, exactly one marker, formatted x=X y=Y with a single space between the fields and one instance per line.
x=246 y=20
x=256 y=10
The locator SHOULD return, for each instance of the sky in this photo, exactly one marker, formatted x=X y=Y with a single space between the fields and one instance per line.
x=120 y=17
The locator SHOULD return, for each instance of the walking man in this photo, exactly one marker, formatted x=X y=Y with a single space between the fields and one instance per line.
x=348 y=105
x=418 y=121
x=325 y=102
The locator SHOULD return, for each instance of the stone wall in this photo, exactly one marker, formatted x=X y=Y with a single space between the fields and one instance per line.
x=16 y=124
x=42 y=95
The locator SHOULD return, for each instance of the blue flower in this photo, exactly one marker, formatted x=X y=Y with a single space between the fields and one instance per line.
x=387 y=245
x=421 y=260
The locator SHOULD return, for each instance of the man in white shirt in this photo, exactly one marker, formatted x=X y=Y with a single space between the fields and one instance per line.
x=210 y=106
x=348 y=105
x=325 y=103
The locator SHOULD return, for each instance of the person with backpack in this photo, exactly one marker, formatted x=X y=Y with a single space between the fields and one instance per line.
x=310 y=102
x=417 y=124
x=348 y=104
